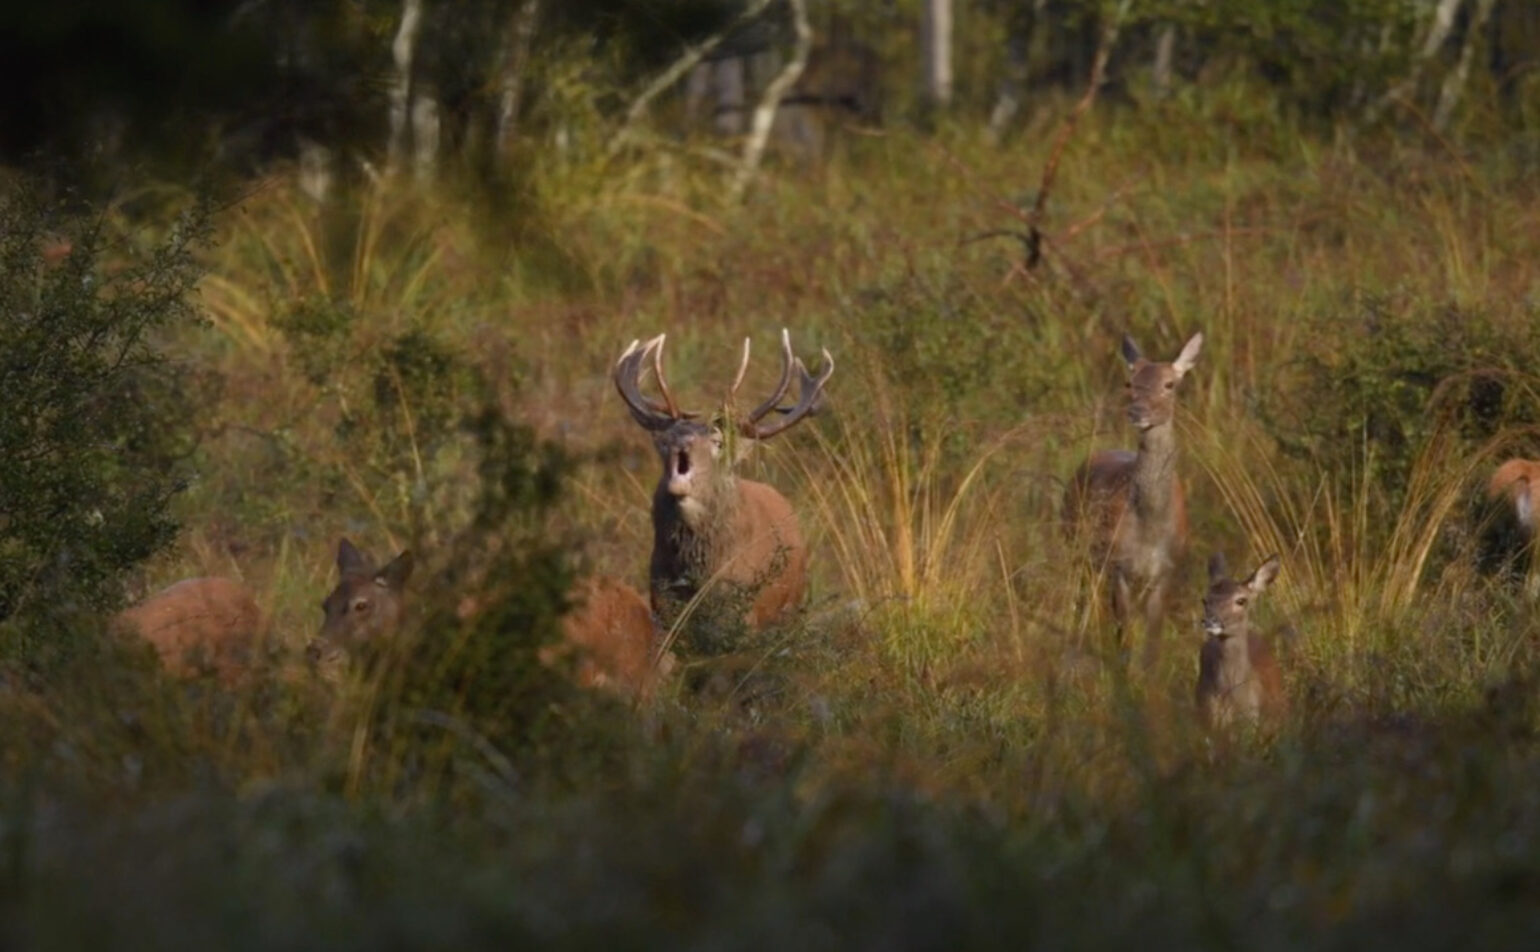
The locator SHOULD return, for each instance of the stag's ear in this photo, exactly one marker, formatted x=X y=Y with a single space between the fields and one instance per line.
x=1189 y=354
x=1131 y=353
x=394 y=575
x=1216 y=567
x=1264 y=575
x=351 y=560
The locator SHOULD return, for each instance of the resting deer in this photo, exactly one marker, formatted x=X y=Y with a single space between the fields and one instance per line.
x=711 y=527
x=1132 y=503
x=609 y=622
x=1238 y=676
x=1509 y=533
x=197 y=625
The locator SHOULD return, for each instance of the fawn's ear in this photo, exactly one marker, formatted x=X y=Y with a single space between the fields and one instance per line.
x=1264 y=574
x=1131 y=353
x=1216 y=567
x=394 y=575
x=351 y=560
x=1189 y=354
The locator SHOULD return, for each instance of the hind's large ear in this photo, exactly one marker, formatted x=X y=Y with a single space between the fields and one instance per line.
x=1189 y=354
x=1131 y=353
x=1216 y=567
x=351 y=560
x=394 y=575
x=1264 y=574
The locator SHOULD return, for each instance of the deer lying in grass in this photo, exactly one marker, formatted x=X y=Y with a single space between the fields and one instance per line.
x=609 y=622
x=198 y=625
x=1132 y=504
x=1508 y=537
x=1238 y=676
x=711 y=527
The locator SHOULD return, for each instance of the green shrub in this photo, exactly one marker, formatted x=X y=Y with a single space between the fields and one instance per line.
x=95 y=424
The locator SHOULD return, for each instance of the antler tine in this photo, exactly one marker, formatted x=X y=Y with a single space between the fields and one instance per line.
x=809 y=395
x=787 y=362
x=647 y=412
x=743 y=369
x=657 y=369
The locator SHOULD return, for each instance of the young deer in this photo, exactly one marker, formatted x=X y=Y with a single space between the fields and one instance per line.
x=1132 y=503
x=197 y=625
x=709 y=526
x=609 y=623
x=1238 y=676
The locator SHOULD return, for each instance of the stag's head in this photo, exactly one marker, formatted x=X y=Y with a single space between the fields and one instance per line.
x=1152 y=385
x=1227 y=605
x=692 y=451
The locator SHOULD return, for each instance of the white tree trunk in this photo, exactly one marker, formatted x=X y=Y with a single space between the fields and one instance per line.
x=510 y=85
x=764 y=114
x=425 y=136
x=1439 y=26
x=936 y=47
x=402 y=50
x=1454 y=83
x=1165 y=50
x=728 y=94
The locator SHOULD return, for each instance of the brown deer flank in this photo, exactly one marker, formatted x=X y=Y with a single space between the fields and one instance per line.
x=198 y=625
x=1130 y=505
x=712 y=530
x=1238 y=675
x=610 y=624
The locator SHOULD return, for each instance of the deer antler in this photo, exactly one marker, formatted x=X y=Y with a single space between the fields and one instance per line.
x=810 y=389
x=649 y=413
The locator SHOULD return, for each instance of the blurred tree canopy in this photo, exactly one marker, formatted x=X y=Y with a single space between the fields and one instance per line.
x=241 y=82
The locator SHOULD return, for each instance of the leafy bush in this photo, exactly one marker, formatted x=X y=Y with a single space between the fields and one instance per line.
x=95 y=430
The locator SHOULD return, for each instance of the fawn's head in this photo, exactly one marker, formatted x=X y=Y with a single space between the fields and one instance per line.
x=1227 y=605
x=1152 y=385
x=691 y=450
x=366 y=604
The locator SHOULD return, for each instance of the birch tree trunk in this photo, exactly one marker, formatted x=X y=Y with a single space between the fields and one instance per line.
x=1438 y=31
x=936 y=47
x=1454 y=83
x=764 y=114
x=425 y=135
x=1165 y=50
x=510 y=84
x=402 y=50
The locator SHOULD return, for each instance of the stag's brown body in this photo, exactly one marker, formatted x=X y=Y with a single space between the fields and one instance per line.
x=1129 y=507
x=198 y=625
x=714 y=533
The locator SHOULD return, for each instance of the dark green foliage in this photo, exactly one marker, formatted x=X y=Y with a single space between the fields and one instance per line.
x=1389 y=374
x=95 y=422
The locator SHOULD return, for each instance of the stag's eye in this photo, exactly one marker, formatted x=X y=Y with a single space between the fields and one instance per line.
x=1240 y=602
x=359 y=605
x=1170 y=384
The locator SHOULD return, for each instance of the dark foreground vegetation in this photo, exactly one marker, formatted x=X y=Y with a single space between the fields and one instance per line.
x=942 y=750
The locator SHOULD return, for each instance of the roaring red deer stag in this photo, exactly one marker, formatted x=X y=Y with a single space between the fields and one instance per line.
x=1238 y=676
x=198 y=625
x=712 y=530
x=1132 y=503
x=609 y=624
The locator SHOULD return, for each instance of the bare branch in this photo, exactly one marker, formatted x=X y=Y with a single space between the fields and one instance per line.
x=764 y=114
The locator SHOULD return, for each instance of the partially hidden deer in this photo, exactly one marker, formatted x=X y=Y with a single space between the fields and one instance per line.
x=1130 y=506
x=1238 y=674
x=609 y=625
x=198 y=625
x=1508 y=535
x=715 y=533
